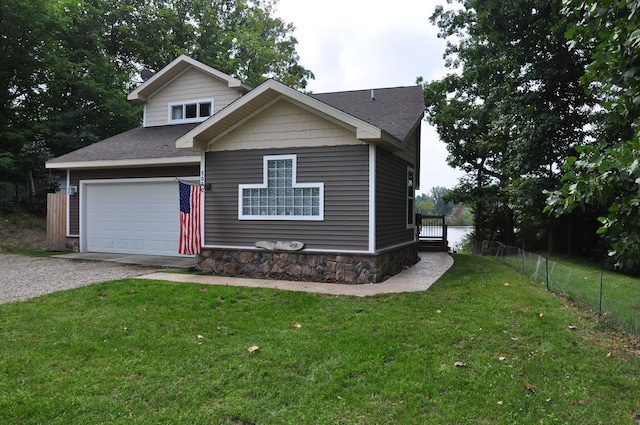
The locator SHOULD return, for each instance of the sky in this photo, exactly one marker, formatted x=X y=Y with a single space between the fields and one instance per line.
x=362 y=44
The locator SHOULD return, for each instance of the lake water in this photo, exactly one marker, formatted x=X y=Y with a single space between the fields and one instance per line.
x=456 y=233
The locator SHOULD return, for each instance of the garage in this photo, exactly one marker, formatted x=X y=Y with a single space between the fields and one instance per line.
x=136 y=216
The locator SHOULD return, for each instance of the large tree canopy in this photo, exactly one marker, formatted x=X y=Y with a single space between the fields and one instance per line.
x=606 y=173
x=511 y=112
x=68 y=64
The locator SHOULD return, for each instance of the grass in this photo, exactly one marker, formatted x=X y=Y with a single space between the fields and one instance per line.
x=579 y=281
x=149 y=352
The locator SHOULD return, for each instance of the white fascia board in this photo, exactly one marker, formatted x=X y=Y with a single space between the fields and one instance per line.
x=170 y=69
x=187 y=141
x=364 y=131
x=124 y=163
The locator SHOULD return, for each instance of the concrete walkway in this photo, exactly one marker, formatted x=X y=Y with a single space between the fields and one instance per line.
x=419 y=277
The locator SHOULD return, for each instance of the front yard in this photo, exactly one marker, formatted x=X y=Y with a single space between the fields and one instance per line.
x=483 y=345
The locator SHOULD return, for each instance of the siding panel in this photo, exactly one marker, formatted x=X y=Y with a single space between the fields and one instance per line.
x=190 y=85
x=285 y=125
x=391 y=201
x=346 y=215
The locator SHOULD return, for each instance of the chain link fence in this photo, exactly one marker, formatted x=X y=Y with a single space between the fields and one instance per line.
x=615 y=298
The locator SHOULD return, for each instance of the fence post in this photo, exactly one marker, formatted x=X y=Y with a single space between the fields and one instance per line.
x=546 y=266
x=524 y=259
x=600 y=303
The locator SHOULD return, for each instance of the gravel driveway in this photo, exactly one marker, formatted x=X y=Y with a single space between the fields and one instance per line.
x=27 y=277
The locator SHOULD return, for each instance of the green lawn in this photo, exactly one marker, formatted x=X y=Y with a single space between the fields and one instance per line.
x=580 y=281
x=146 y=352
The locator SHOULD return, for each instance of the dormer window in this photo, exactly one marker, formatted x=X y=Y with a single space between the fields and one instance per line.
x=190 y=111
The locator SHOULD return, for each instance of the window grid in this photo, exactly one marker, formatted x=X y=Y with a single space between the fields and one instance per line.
x=190 y=111
x=281 y=198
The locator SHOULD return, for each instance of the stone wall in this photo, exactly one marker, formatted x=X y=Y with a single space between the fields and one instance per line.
x=313 y=267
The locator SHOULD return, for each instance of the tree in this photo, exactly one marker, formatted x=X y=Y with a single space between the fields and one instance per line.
x=241 y=38
x=511 y=113
x=26 y=46
x=68 y=64
x=606 y=173
x=441 y=204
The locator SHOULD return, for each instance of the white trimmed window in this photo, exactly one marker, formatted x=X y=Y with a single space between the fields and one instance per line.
x=411 y=191
x=190 y=111
x=280 y=197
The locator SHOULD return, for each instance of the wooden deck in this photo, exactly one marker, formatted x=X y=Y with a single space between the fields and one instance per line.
x=432 y=233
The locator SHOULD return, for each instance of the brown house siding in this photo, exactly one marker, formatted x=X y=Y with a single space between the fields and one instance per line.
x=344 y=170
x=391 y=201
x=121 y=173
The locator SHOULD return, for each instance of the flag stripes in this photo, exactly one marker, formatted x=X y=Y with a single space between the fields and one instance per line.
x=190 y=234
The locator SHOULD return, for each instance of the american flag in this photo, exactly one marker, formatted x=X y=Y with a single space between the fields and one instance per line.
x=190 y=196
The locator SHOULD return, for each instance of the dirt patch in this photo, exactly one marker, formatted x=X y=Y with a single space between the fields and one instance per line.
x=22 y=232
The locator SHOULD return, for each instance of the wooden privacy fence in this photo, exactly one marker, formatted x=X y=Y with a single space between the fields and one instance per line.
x=56 y=221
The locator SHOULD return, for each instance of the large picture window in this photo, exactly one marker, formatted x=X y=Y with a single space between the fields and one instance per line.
x=190 y=111
x=280 y=197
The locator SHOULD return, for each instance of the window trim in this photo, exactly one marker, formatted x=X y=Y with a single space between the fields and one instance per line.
x=184 y=103
x=411 y=198
x=294 y=185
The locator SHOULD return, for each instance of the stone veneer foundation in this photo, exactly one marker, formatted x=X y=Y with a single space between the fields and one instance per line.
x=313 y=267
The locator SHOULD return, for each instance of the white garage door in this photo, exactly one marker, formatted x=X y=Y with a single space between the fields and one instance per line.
x=140 y=217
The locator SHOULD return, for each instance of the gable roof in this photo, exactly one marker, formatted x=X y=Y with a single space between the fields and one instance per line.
x=175 y=69
x=345 y=110
x=142 y=146
x=395 y=110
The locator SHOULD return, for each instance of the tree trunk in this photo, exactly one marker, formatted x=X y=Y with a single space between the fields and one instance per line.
x=509 y=233
x=32 y=184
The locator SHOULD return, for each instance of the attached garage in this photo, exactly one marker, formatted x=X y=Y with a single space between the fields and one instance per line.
x=130 y=216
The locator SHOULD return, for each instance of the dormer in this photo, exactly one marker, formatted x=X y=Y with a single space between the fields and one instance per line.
x=186 y=91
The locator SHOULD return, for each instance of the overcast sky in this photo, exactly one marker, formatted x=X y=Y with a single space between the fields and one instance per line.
x=361 y=44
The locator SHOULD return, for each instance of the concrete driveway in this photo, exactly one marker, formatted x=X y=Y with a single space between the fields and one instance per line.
x=159 y=261
x=27 y=277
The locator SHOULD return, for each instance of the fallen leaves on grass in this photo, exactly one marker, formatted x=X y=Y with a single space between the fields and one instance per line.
x=572 y=327
x=461 y=364
x=529 y=387
x=253 y=349
x=297 y=325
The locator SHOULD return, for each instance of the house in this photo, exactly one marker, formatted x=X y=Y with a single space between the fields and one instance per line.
x=302 y=186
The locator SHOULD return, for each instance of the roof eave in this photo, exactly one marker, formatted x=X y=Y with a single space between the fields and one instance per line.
x=364 y=131
x=123 y=163
x=382 y=139
x=175 y=68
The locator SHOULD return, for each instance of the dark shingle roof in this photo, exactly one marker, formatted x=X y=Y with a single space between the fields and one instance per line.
x=139 y=143
x=395 y=110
